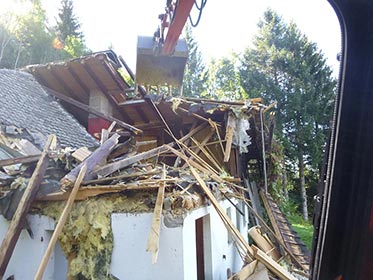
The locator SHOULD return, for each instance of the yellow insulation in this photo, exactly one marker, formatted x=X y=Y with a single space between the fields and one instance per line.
x=87 y=238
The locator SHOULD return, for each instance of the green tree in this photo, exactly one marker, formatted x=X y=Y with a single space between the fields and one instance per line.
x=67 y=23
x=26 y=39
x=284 y=66
x=195 y=76
x=68 y=30
x=33 y=39
x=224 y=79
x=7 y=23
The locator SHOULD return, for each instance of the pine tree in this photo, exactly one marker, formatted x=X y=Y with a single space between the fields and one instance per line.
x=67 y=23
x=195 y=77
x=284 y=66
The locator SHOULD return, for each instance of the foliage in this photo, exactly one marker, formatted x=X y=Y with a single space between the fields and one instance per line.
x=284 y=66
x=224 y=79
x=74 y=46
x=28 y=40
x=196 y=76
x=25 y=38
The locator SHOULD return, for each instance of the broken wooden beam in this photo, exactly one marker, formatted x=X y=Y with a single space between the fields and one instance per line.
x=10 y=239
x=90 y=191
x=132 y=75
x=238 y=103
x=122 y=176
x=105 y=133
x=114 y=166
x=91 y=161
x=25 y=159
x=61 y=222
x=153 y=240
x=263 y=242
x=273 y=266
x=92 y=111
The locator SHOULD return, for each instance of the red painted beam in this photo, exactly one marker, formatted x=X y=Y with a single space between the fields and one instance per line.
x=176 y=27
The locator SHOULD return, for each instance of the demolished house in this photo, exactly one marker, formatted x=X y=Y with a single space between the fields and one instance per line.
x=171 y=191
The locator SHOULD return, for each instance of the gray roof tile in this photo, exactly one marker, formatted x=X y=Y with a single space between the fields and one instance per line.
x=24 y=103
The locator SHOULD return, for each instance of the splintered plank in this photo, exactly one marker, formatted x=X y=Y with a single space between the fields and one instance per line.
x=231 y=127
x=264 y=243
x=15 y=227
x=153 y=240
x=252 y=271
x=106 y=132
x=81 y=154
x=60 y=224
x=122 y=176
x=25 y=159
x=91 y=161
x=246 y=271
x=273 y=266
x=270 y=215
x=112 y=167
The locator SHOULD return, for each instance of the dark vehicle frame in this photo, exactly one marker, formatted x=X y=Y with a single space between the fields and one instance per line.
x=343 y=240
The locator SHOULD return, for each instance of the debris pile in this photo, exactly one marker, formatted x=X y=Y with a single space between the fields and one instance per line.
x=196 y=164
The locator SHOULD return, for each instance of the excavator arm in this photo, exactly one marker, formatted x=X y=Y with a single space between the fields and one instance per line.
x=161 y=59
x=173 y=22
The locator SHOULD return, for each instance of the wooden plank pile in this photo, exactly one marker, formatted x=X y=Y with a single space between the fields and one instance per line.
x=198 y=166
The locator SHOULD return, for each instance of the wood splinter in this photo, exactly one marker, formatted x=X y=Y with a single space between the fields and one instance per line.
x=153 y=240
x=60 y=224
x=10 y=239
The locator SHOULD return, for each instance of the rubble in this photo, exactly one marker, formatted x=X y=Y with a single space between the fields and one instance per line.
x=196 y=166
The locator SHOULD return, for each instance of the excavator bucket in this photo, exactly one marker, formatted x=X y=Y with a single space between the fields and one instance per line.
x=160 y=70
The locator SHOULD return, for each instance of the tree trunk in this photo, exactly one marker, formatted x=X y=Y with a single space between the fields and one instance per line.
x=303 y=187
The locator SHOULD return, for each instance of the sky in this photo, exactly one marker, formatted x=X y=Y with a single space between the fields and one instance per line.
x=225 y=26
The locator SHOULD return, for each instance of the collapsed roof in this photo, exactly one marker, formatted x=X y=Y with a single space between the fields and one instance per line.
x=193 y=149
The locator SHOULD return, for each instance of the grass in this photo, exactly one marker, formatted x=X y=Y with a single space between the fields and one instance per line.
x=304 y=229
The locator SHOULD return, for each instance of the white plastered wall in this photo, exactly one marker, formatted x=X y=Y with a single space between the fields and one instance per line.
x=130 y=259
x=177 y=250
x=176 y=257
x=29 y=251
x=220 y=253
